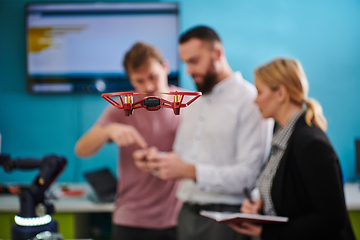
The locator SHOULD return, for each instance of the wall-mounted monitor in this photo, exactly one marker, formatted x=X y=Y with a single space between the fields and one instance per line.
x=79 y=47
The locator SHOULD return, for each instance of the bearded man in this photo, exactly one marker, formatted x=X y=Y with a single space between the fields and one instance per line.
x=221 y=144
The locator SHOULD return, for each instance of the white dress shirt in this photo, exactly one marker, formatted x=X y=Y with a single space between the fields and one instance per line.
x=224 y=135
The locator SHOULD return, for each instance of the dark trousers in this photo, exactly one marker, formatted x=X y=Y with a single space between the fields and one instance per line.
x=133 y=233
x=193 y=226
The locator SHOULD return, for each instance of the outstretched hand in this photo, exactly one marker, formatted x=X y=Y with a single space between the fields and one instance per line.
x=125 y=135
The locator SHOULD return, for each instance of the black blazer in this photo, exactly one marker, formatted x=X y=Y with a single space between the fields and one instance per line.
x=308 y=189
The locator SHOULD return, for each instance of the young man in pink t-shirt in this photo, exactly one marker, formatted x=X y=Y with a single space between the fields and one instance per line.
x=146 y=206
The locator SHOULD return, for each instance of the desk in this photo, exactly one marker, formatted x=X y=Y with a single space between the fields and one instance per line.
x=72 y=213
x=10 y=203
x=352 y=198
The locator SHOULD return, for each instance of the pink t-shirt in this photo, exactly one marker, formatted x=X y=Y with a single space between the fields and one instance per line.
x=144 y=200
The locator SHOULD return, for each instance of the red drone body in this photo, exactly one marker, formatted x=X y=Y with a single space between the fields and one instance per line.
x=151 y=103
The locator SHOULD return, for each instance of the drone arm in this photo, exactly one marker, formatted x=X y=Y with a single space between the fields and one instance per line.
x=112 y=101
x=138 y=104
x=165 y=103
x=191 y=101
x=180 y=103
x=182 y=98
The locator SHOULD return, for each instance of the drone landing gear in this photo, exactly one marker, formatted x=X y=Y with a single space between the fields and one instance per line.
x=128 y=112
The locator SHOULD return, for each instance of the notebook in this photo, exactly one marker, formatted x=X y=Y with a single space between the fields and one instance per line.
x=238 y=218
x=103 y=183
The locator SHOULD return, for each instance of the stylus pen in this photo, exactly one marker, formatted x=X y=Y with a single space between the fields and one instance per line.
x=248 y=195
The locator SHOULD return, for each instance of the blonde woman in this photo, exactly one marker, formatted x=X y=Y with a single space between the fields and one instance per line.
x=302 y=179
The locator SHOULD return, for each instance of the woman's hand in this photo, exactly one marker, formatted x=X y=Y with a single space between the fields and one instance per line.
x=247 y=229
x=253 y=207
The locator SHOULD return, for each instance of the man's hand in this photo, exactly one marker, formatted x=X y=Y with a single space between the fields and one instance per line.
x=169 y=166
x=124 y=135
x=140 y=160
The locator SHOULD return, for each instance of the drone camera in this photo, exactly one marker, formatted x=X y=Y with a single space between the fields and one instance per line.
x=152 y=102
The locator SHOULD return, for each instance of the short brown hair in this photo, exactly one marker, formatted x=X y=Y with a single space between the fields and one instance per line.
x=140 y=54
x=203 y=33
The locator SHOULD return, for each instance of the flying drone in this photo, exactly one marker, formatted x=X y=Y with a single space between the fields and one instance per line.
x=150 y=103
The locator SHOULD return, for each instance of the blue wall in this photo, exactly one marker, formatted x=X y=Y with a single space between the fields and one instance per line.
x=324 y=35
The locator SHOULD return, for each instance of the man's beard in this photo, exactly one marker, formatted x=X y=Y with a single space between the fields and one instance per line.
x=208 y=83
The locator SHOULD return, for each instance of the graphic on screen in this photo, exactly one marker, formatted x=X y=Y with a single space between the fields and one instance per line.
x=80 y=47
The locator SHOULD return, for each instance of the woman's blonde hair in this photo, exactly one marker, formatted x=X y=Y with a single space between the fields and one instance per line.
x=289 y=72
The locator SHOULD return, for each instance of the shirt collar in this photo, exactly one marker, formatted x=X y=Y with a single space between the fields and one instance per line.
x=282 y=135
x=223 y=84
